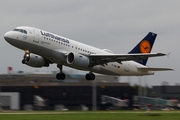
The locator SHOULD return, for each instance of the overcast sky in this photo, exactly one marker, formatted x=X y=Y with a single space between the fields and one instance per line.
x=117 y=25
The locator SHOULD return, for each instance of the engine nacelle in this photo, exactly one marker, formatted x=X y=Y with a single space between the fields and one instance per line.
x=34 y=60
x=77 y=60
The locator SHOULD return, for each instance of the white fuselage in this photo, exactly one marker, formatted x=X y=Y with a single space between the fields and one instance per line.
x=52 y=46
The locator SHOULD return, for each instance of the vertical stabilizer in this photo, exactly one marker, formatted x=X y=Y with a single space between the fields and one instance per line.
x=144 y=46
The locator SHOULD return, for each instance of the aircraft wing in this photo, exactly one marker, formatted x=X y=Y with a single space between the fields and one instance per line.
x=154 y=69
x=106 y=58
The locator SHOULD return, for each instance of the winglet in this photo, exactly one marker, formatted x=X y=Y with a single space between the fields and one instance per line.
x=168 y=54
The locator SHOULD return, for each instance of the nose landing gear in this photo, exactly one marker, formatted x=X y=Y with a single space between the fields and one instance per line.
x=26 y=57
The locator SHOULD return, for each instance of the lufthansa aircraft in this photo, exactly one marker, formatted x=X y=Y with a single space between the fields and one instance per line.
x=43 y=48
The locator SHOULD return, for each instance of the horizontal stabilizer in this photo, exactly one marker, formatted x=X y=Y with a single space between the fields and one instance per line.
x=154 y=69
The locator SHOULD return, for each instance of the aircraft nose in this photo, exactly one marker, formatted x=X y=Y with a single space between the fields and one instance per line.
x=8 y=36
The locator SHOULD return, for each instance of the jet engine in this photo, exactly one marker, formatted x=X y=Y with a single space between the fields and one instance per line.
x=77 y=60
x=34 y=60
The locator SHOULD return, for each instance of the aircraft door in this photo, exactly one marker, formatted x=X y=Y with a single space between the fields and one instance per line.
x=36 y=36
x=127 y=67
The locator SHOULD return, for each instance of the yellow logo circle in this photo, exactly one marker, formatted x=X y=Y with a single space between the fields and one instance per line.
x=145 y=46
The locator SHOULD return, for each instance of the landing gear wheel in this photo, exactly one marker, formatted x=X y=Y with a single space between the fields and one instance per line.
x=60 y=76
x=87 y=76
x=23 y=61
x=90 y=76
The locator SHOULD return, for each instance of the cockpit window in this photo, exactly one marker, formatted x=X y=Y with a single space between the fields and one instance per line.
x=21 y=30
x=16 y=30
x=25 y=31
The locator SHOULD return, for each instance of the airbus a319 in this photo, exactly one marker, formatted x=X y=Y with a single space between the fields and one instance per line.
x=43 y=48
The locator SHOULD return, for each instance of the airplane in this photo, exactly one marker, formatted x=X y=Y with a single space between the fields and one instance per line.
x=43 y=48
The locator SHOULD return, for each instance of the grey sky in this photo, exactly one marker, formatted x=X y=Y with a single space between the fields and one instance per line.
x=113 y=24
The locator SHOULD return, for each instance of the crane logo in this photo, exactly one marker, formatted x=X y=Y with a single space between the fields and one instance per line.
x=145 y=46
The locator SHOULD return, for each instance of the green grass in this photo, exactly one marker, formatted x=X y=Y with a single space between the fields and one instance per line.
x=103 y=115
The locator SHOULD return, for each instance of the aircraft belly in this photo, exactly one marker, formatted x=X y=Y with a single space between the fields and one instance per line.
x=58 y=56
x=18 y=44
x=104 y=70
x=39 y=50
x=120 y=70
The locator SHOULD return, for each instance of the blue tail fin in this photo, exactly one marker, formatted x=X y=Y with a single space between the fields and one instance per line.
x=144 y=46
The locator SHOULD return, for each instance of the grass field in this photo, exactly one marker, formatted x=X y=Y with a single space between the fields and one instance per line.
x=97 y=115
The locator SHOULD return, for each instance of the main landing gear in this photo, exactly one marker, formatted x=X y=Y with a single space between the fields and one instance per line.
x=90 y=76
x=61 y=75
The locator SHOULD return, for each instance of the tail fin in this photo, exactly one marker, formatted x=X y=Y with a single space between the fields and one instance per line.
x=144 y=46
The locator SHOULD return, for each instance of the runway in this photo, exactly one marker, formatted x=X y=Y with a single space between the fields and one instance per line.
x=81 y=112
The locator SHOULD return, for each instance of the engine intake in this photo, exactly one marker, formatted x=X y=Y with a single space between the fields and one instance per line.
x=78 y=60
